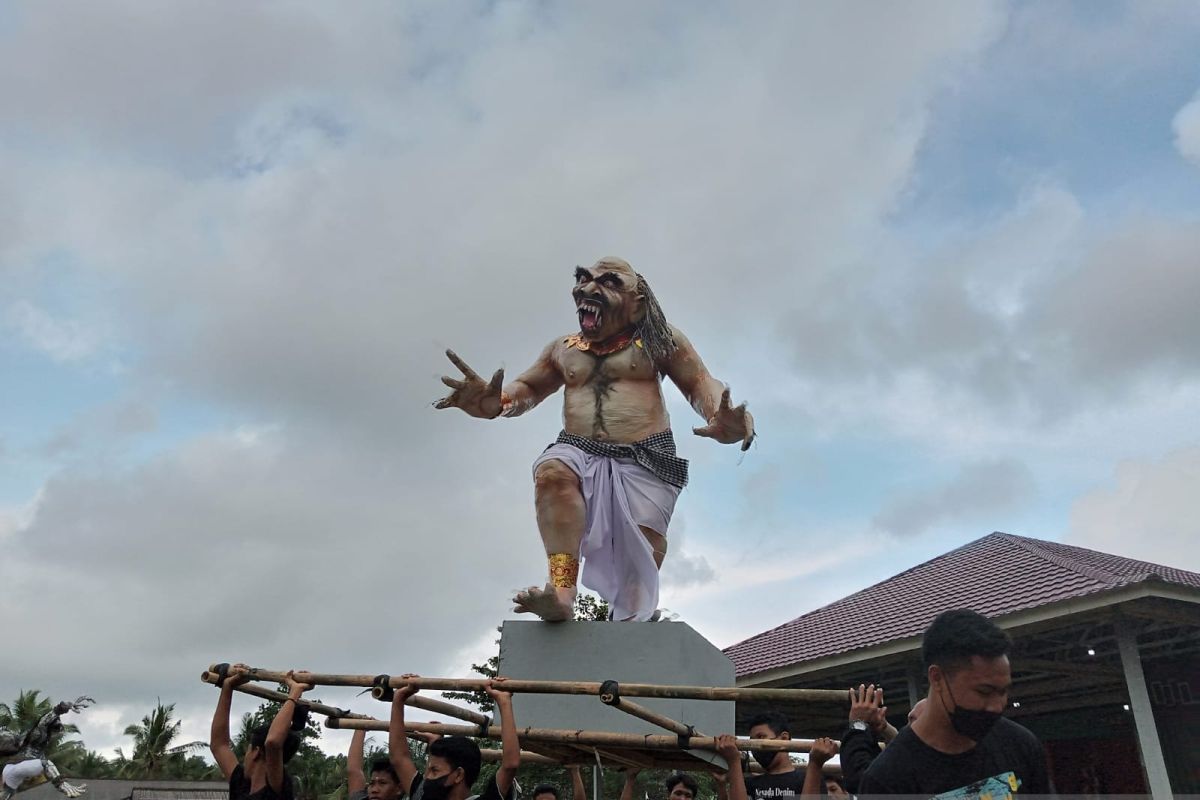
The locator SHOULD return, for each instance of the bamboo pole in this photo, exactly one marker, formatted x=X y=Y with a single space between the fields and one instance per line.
x=271 y=694
x=653 y=717
x=416 y=701
x=492 y=755
x=585 y=738
x=439 y=707
x=826 y=696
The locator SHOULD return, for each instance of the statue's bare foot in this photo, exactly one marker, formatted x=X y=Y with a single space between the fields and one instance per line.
x=552 y=604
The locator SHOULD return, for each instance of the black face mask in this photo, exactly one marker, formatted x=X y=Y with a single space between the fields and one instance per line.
x=765 y=757
x=435 y=788
x=973 y=723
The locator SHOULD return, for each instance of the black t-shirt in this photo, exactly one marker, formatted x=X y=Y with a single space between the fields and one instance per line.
x=1008 y=761
x=239 y=787
x=858 y=749
x=770 y=787
x=490 y=792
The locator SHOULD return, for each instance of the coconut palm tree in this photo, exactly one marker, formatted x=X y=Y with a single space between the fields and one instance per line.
x=87 y=764
x=155 y=754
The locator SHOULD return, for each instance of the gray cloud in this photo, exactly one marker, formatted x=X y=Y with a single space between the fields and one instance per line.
x=979 y=490
x=1107 y=315
x=99 y=428
x=255 y=545
x=682 y=570
x=1186 y=126
x=291 y=211
x=1149 y=511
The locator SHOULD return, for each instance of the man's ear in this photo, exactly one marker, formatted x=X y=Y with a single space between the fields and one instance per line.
x=785 y=735
x=935 y=674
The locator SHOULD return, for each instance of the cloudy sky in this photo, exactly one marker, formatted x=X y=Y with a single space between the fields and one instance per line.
x=947 y=252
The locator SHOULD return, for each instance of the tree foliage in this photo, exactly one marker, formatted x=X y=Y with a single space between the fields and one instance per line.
x=156 y=754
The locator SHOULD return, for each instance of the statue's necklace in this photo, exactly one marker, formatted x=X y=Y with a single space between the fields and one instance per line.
x=608 y=346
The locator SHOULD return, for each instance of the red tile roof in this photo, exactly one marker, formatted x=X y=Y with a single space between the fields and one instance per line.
x=996 y=575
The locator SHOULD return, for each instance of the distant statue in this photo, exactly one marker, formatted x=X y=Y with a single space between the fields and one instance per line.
x=30 y=749
x=605 y=490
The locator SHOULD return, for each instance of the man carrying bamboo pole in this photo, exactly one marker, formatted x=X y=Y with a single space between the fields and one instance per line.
x=260 y=775
x=548 y=791
x=680 y=786
x=384 y=784
x=606 y=489
x=780 y=778
x=452 y=762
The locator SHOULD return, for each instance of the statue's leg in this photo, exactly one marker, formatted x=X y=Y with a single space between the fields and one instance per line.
x=6 y=791
x=658 y=543
x=18 y=774
x=658 y=547
x=561 y=517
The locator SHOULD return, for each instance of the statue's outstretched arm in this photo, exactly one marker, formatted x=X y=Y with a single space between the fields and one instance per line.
x=472 y=394
x=55 y=777
x=708 y=396
x=533 y=385
x=490 y=399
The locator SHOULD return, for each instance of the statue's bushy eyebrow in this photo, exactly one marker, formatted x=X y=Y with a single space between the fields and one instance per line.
x=580 y=272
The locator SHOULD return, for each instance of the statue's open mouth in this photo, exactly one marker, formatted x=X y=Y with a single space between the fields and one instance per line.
x=591 y=316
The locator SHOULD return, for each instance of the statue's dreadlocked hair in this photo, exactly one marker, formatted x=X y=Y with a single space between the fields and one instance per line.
x=653 y=330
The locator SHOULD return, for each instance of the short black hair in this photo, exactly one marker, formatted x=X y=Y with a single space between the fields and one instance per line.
x=258 y=738
x=774 y=720
x=384 y=765
x=956 y=636
x=459 y=751
x=687 y=780
x=545 y=788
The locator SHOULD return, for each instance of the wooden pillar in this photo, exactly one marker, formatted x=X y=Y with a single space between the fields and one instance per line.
x=1143 y=713
x=914 y=686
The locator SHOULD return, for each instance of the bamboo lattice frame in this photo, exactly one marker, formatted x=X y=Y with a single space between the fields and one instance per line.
x=550 y=745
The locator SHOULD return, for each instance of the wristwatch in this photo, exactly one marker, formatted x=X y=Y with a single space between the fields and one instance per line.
x=858 y=725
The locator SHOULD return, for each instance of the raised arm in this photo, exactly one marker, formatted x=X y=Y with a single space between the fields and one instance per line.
x=356 y=778
x=398 y=752
x=708 y=396
x=510 y=754
x=281 y=726
x=631 y=776
x=218 y=737
x=578 y=791
x=822 y=750
x=487 y=400
x=727 y=748
x=533 y=385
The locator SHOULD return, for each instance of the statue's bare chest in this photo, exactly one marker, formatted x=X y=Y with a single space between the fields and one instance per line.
x=580 y=368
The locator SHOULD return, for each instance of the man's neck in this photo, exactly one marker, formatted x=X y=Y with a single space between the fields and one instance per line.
x=941 y=736
x=782 y=766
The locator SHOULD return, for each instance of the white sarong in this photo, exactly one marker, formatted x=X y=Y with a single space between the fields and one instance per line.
x=619 y=495
x=17 y=773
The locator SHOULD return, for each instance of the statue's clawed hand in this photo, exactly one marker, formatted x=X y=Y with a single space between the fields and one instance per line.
x=729 y=425
x=473 y=394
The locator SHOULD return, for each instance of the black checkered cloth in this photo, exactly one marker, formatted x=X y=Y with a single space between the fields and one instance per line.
x=656 y=453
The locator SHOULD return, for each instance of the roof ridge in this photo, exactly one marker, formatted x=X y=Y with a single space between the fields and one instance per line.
x=1035 y=546
x=865 y=589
